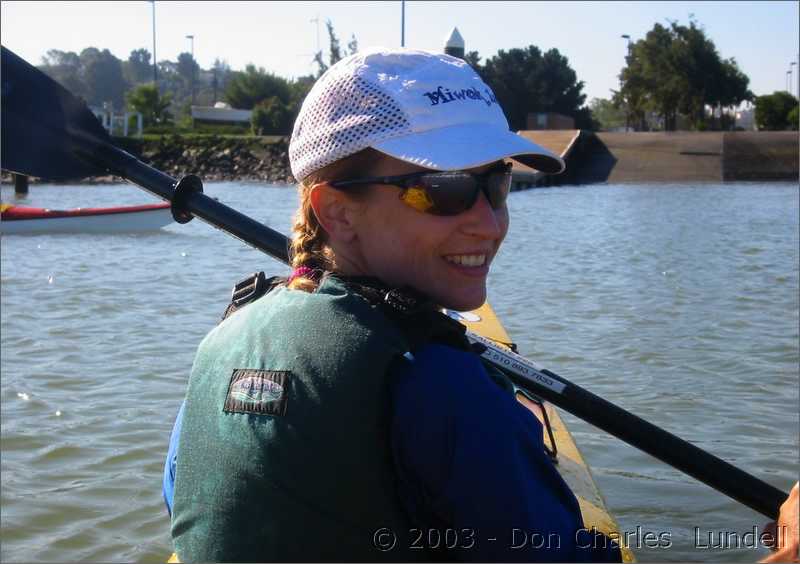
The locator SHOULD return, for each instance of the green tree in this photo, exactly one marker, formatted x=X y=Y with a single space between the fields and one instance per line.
x=352 y=45
x=677 y=70
x=793 y=118
x=187 y=67
x=271 y=117
x=773 y=111
x=607 y=114
x=525 y=81
x=473 y=58
x=146 y=100
x=335 y=50
x=248 y=88
x=102 y=74
x=137 y=68
x=65 y=68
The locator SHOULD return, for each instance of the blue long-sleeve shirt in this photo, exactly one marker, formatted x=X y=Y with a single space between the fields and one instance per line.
x=470 y=459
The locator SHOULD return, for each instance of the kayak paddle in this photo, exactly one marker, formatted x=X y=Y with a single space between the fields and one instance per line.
x=49 y=133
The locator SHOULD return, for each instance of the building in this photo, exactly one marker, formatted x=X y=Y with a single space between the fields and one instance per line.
x=220 y=114
x=454 y=44
x=549 y=120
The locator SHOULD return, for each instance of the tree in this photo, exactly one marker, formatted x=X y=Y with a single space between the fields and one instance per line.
x=271 y=117
x=773 y=111
x=335 y=51
x=187 y=67
x=65 y=68
x=677 y=69
x=793 y=118
x=248 y=88
x=137 y=68
x=102 y=75
x=352 y=45
x=525 y=81
x=607 y=114
x=473 y=59
x=146 y=100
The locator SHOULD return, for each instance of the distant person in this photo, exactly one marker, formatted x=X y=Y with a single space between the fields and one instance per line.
x=340 y=412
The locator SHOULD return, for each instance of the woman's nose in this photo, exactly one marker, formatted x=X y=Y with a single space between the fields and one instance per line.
x=481 y=220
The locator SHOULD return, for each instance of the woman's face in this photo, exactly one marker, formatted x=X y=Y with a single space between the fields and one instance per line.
x=445 y=257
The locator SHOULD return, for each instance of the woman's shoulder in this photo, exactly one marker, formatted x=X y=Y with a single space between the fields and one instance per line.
x=333 y=314
x=447 y=379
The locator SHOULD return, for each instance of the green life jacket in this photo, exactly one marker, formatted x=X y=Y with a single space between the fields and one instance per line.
x=284 y=451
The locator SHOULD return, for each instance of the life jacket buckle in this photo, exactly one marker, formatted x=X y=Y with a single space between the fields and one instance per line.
x=249 y=289
x=400 y=301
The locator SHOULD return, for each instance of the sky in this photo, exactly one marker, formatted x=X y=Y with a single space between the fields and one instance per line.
x=281 y=37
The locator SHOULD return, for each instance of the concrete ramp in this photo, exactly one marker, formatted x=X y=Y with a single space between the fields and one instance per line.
x=761 y=155
x=650 y=157
x=681 y=157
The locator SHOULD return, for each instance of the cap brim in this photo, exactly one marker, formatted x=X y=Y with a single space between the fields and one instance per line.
x=468 y=146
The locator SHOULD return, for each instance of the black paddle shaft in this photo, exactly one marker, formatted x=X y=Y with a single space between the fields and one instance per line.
x=49 y=133
x=696 y=462
x=197 y=204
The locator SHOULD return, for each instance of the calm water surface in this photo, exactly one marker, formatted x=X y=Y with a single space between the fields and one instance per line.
x=679 y=303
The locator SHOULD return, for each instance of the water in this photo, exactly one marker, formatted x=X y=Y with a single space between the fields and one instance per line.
x=679 y=303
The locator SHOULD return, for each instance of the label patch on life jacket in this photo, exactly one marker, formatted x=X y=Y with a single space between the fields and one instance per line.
x=261 y=392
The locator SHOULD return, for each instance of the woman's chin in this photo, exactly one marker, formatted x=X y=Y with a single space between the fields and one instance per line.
x=464 y=302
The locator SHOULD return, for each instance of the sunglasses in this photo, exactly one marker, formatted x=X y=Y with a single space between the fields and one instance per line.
x=445 y=193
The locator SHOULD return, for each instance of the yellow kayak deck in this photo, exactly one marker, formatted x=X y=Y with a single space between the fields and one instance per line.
x=571 y=464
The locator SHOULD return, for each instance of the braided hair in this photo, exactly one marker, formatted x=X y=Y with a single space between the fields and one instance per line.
x=309 y=250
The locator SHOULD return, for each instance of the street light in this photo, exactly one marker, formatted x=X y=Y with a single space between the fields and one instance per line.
x=402 y=23
x=793 y=63
x=627 y=112
x=155 y=64
x=191 y=39
x=788 y=80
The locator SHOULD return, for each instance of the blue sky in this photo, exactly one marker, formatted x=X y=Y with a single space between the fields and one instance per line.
x=280 y=36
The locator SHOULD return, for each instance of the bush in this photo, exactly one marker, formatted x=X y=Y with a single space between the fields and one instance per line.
x=271 y=117
x=793 y=118
x=773 y=111
x=146 y=100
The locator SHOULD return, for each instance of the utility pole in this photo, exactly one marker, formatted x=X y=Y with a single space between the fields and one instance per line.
x=402 y=23
x=191 y=40
x=155 y=60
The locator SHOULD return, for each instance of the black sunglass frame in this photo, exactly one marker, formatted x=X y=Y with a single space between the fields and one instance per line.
x=408 y=181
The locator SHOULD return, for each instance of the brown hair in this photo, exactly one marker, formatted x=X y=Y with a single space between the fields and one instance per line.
x=309 y=246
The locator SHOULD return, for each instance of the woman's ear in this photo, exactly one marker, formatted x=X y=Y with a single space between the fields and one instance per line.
x=335 y=211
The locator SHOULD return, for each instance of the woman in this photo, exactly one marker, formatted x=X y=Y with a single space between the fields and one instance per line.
x=340 y=416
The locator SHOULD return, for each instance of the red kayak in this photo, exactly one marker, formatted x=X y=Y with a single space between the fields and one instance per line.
x=125 y=219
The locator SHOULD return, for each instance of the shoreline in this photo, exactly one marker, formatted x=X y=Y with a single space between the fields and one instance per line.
x=682 y=157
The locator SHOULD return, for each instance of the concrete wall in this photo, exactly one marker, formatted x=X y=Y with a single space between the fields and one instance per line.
x=679 y=157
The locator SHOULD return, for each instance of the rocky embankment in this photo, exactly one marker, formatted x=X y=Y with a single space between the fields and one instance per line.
x=213 y=158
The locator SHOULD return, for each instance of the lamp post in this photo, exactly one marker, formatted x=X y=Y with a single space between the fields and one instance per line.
x=788 y=80
x=191 y=40
x=402 y=23
x=791 y=69
x=627 y=110
x=155 y=60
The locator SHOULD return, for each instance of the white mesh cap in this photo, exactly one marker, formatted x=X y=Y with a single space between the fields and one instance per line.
x=429 y=109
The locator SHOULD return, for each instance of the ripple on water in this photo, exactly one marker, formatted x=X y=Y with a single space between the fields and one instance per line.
x=678 y=303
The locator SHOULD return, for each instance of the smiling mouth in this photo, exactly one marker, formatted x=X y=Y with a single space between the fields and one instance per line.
x=467 y=260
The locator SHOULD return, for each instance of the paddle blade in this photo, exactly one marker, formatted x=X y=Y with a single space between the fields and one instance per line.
x=46 y=131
